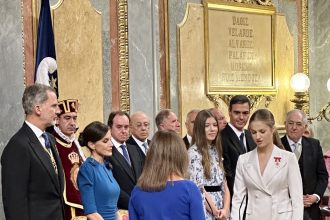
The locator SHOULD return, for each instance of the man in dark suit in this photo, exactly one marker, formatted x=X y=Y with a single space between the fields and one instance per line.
x=126 y=160
x=32 y=174
x=139 y=127
x=235 y=139
x=311 y=163
x=190 y=120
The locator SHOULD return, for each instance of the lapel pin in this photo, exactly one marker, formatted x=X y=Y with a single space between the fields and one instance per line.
x=277 y=160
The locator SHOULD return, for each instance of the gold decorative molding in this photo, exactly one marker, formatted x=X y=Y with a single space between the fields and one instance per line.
x=255 y=100
x=23 y=41
x=323 y=113
x=305 y=46
x=166 y=86
x=123 y=56
x=255 y=2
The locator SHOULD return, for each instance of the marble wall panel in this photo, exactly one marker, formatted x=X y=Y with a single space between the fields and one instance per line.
x=144 y=57
x=319 y=65
x=11 y=73
x=289 y=9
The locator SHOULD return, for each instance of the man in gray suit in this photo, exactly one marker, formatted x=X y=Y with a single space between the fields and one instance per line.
x=32 y=174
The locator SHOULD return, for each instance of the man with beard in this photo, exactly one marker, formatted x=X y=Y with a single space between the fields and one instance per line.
x=32 y=175
x=71 y=155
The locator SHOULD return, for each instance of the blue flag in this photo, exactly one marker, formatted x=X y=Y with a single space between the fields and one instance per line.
x=45 y=42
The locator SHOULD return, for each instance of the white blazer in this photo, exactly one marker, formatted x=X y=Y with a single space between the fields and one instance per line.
x=276 y=195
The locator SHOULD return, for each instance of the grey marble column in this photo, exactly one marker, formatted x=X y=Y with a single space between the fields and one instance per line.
x=144 y=55
x=11 y=72
x=319 y=65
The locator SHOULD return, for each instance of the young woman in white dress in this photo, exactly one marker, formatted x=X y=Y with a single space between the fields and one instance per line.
x=268 y=177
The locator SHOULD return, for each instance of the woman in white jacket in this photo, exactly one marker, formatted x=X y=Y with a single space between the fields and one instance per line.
x=268 y=177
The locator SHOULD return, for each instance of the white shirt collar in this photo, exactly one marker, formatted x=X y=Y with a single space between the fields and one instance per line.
x=140 y=143
x=237 y=132
x=291 y=142
x=37 y=131
x=115 y=143
x=189 y=138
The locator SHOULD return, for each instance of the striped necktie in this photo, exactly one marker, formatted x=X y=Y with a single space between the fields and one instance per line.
x=145 y=146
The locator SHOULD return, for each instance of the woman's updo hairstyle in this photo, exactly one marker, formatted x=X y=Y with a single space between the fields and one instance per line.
x=93 y=132
x=263 y=115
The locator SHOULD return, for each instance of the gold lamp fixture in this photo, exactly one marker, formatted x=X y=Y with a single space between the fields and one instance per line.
x=300 y=84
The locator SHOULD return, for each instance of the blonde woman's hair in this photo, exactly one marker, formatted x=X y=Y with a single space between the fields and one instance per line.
x=199 y=138
x=166 y=156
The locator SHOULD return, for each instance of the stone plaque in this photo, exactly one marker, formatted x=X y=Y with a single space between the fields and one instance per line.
x=239 y=48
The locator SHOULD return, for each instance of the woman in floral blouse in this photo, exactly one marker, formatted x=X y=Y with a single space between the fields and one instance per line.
x=206 y=168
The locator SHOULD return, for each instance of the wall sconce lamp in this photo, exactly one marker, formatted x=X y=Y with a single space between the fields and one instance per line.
x=300 y=84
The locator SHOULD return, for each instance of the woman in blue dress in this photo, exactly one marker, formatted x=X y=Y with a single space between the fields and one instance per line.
x=98 y=188
x=205 y=167
x=162 y=192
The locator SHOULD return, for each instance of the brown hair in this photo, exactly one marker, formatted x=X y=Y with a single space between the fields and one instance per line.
x=166 y=156
x=263 y=115
x=277 y=140
x=113 y=115
x=267 y=117
x=93 y=132
x=239 y=99
x=199 y=138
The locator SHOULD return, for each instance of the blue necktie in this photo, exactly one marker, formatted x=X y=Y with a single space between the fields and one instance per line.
x=125 y=153
x=47 y=142
x=241 y=140
x=49 y=149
